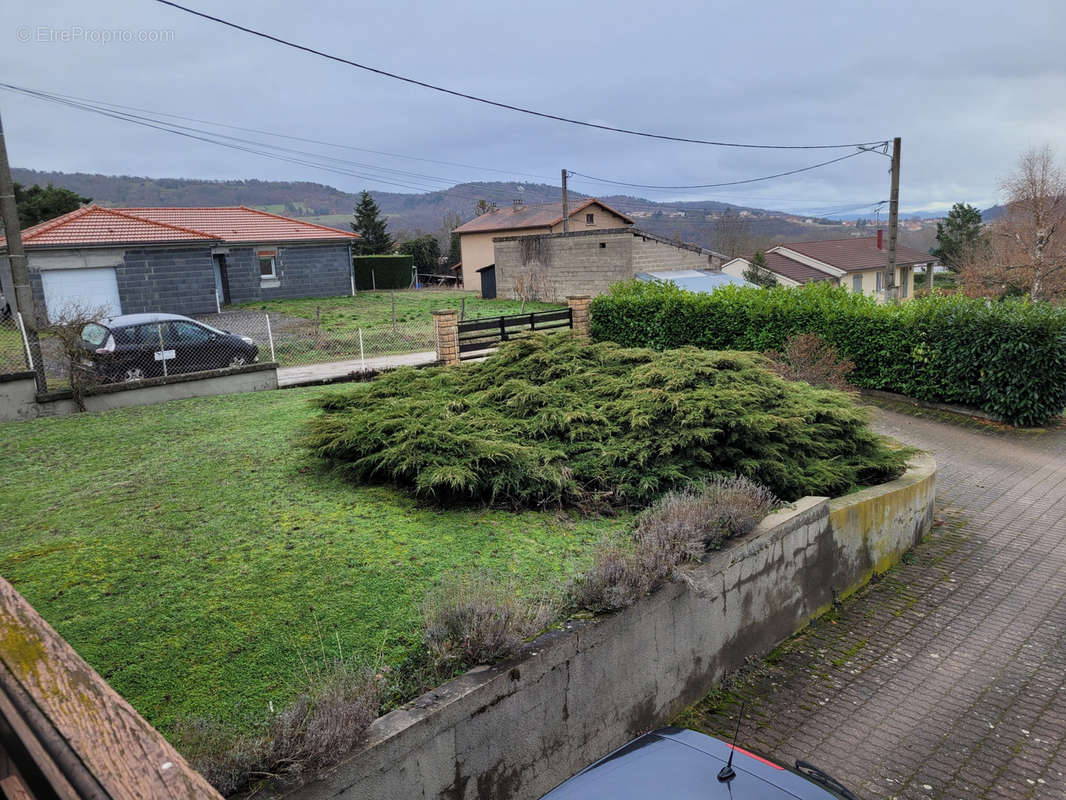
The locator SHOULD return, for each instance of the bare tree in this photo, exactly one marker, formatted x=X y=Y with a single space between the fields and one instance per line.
x=1027 y=247
x=732 y=234
x=65 y=329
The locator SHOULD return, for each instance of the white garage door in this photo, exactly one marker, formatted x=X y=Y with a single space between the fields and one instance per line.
x=84 y=289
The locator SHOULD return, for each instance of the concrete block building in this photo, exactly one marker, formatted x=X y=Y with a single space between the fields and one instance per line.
x=178 y=260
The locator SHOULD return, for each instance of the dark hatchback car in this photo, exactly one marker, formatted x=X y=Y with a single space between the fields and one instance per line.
x=679 y=764
x=132 y=347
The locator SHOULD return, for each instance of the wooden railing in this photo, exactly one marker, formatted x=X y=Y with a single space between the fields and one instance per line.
x=65 y=733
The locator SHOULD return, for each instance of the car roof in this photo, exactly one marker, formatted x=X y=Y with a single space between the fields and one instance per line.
x=123 y=320
x=684 y=765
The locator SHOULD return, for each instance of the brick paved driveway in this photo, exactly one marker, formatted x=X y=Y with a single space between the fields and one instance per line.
x=946 y=678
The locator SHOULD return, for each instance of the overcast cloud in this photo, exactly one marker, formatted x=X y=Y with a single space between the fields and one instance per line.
x=968 y=85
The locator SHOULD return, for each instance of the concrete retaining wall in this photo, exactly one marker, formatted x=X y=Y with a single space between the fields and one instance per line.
x=19 y=399
x=518 y=729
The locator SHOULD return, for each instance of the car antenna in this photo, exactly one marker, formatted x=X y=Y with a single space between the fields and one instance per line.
x=726 y=773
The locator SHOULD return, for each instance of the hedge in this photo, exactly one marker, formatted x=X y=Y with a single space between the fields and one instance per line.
x=1006 y=357
x=389 y=272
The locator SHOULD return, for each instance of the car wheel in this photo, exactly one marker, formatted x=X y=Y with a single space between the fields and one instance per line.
x=238 y=361
x=133 y=374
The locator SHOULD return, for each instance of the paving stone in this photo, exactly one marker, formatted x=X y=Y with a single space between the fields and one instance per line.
x=946 y=678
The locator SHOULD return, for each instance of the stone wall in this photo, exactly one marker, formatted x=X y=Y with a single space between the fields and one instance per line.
x=589 y=262
x=518 y=729
x=19 y=399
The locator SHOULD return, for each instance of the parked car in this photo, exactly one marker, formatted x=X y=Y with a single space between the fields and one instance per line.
x=679 y=764
x=131 y=347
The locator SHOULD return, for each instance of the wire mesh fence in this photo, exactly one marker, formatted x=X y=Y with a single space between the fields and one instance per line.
x=295 y=341
x=12 y=346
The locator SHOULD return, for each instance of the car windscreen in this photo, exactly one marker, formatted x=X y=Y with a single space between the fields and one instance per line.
x=94 y=334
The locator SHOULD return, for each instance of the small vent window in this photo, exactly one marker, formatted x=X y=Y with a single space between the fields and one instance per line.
x=603 y=245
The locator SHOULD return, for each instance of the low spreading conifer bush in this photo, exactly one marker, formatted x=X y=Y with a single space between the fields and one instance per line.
x=548 y=421
x=1006 y=357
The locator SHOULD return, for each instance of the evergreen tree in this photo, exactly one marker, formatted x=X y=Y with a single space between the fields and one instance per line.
x=371 y=227
x=425 y=250
x=758 y=273
x=36 y=204
x=958 y=235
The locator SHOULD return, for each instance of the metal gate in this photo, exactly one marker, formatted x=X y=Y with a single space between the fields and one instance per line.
x=479 y=337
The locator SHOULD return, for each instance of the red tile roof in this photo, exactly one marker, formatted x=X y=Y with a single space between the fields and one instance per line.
x=856 y=254
x=95 y=225
x=539 y=216
x=799 y=272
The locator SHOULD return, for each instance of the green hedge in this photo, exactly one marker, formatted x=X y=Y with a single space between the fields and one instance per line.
x=1007 y=358
x=390 y=272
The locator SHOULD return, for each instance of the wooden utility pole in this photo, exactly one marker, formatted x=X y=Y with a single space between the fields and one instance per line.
x=891 y=290
x=566 y=207
x=16 y=258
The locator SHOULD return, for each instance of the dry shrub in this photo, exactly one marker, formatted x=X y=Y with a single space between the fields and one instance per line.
x=228 y=759
x=336 y=705
x=808 y=357
x=327 y=719
x=479 y=619
x=65 y=328
x=680 y=527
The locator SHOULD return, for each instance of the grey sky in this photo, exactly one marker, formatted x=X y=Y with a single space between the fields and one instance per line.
x=968 y=85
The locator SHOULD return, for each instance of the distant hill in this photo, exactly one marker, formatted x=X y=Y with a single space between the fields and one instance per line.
x=416 y=214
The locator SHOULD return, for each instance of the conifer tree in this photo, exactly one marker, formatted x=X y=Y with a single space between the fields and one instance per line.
x=369 y=224
x=758 y=273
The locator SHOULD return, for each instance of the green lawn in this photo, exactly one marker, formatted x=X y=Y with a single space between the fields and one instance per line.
x=193 y=556
x=12 y=350
x=370 y=310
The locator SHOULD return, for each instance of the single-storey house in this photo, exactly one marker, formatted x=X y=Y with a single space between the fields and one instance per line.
x=475 y=236
x=179 y=260
x=857 y=264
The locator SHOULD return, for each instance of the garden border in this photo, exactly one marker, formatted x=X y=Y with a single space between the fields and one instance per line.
x=517 y=729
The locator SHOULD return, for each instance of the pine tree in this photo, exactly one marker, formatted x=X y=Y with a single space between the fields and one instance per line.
x=758 y=273
x=371 y=227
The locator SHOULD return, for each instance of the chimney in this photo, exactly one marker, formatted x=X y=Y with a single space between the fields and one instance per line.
x=880 y=239
x=517 y=204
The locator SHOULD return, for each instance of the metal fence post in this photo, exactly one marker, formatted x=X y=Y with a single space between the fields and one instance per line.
x=162 y=350
x=270 y=336
x=25 y=342
x=362 y=356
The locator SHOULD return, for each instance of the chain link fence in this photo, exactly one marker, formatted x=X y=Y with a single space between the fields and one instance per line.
x=295 y=341
x=160 y=345
x=12 y=346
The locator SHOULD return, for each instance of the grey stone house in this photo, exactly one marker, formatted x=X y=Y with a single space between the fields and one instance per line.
x=178 y=260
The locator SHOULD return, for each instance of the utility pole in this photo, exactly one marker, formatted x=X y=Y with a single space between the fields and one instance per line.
x=16 y=258
x=566 y=207
x=891 y=291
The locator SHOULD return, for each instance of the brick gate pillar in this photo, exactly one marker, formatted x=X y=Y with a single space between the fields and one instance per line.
x=446 y=329
x=579 y=308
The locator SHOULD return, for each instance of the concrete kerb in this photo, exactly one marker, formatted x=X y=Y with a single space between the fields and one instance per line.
x=519 y=728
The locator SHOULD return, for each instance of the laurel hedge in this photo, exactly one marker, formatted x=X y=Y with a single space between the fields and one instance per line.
x=1005 y=357
x=549 y=421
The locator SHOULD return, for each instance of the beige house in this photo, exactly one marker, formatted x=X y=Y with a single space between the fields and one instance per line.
x=475 y=236
x=857 y=264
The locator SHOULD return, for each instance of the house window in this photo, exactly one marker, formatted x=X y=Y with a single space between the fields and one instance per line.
x=856 y=283
x=603 y=245
x=268 y=263
x=880 y=281
x=590 y=219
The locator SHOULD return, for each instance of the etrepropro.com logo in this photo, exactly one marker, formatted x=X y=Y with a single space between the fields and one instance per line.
x=71 y=34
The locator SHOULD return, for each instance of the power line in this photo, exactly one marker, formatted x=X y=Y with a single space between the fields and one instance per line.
x=275 y=134
x=508 y=106
x=726 y=183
